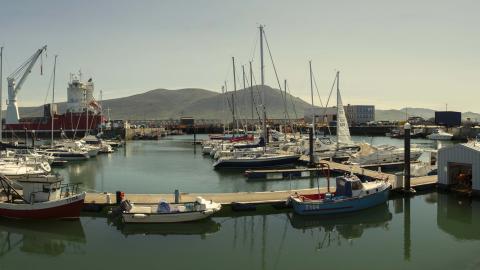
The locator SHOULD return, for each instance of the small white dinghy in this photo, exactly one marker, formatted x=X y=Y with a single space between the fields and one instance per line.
x=165 y=212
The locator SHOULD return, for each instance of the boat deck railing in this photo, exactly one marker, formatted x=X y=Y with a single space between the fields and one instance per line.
x=69 y=189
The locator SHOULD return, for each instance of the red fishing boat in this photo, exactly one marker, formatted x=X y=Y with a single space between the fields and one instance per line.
x=41 y=197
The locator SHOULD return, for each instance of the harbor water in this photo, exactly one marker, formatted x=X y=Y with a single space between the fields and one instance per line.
x=168 y=164
x=427 y=231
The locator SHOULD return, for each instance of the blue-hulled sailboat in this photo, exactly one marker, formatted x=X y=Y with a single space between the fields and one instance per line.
x=350 y=195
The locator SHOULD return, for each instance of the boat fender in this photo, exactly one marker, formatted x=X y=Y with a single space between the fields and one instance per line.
x=44 y=167
x=126 y=205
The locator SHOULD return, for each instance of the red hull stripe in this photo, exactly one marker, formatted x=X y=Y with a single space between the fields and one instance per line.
x=71 y=210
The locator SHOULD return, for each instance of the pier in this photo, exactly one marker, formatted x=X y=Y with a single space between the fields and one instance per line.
x=265 y=197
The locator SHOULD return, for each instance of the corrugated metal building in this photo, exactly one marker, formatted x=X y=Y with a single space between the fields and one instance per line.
x=459 y=166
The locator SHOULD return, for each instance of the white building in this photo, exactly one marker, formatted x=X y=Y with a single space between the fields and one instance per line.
x=459 y=166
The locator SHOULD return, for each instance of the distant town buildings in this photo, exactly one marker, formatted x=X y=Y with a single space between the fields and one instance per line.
x=356 y=114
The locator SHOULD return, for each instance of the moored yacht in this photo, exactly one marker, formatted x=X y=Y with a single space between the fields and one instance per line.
x=260 y=160
x=438 y=134
x=372 y=155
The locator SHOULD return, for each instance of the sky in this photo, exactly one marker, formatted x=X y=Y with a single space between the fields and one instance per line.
x=391 y=54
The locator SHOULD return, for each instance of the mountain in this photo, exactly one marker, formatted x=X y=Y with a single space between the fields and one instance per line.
x=205 y=104
x=199 y=103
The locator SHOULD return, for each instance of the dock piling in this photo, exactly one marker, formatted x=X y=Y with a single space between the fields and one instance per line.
x=407 y=129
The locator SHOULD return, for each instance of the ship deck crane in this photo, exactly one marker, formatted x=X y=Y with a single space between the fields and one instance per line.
x=20 y=74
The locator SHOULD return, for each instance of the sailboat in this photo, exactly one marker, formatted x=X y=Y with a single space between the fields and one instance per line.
x=343 y=147
x=263 y=159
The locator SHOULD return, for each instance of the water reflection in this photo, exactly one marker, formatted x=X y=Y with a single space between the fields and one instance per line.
x=84 y=172
x=202 y=228
x=51 y=238
x=347 y=226
x=458 y=216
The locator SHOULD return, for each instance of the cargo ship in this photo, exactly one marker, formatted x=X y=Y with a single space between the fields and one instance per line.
x=82 y=113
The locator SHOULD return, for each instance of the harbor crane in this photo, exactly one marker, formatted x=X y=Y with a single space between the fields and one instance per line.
x=21 y=73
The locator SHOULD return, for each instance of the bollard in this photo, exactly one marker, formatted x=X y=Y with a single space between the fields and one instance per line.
x=177 y=196
x=119 y=196
x=109 y=198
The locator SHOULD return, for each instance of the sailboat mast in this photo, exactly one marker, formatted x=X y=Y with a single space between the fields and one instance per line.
x=262 y=76
x=223 y=107
x=1 y=91
x=338 y=105
x=251 y=88
x=243 y=77
x=285 y=102
x=101 y=111
x=235 y=122
x=86 y=111
x=311 y=94
x=52 y=114
x=226 y=126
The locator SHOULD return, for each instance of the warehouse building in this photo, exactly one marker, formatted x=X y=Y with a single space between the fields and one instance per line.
x=448 y=118
x=459 y=167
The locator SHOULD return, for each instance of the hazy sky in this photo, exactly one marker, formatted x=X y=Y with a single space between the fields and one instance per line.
x=390 y=53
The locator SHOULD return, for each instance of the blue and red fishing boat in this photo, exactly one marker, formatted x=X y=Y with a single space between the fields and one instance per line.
x=350 y=195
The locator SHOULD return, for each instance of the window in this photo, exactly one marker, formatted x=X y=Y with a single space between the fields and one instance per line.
x=357 y=185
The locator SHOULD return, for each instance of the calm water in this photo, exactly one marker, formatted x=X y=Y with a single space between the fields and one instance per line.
x=433 y=231
x=429 y=231
x=165 y=165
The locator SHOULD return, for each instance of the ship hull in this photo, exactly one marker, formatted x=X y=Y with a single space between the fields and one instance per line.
x=59 y=209
x=62 y=122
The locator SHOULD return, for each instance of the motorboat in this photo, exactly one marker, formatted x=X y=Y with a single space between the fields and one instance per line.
x=438 y=134
x=372 y=155
x=350 y=195
x=19 y=158
x=164 y=212
x=20 y=169
x=43 y=197
x=103 y=147
x=66 y=154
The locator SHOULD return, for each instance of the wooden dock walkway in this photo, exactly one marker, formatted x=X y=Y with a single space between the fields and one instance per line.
x=266 y=197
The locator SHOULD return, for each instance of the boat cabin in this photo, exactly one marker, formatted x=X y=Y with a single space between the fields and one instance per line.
x=41 y=188
x=348 y=186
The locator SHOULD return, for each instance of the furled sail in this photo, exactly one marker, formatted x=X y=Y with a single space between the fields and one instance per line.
x=343 y=133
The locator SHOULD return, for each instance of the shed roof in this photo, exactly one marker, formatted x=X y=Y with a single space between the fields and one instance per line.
x=475 y=146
